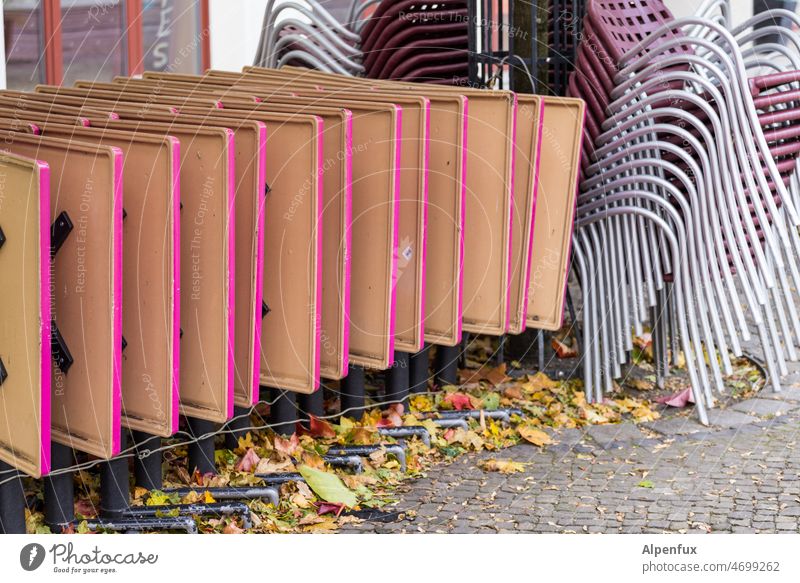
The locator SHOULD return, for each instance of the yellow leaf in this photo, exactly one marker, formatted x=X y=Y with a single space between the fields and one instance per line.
x=208 y=498
x=534 y=436
x=502 y=466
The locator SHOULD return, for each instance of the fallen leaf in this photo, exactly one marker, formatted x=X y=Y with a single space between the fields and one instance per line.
x=232 y=528
x=502 y=466
x=320 y=428
x=534 y=436
x=459 y=401
x=329 y=508
x=679 y=399
x=646 y=484
x=286 y=446
x=248 y=462
x=563 y=350
x=328 y=486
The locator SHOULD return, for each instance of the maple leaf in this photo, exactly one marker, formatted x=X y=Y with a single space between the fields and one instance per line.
x=459 y=401
x=286 y=446
x=319 y=428
x=393 y=417
x=248 y=462
x=563 y=350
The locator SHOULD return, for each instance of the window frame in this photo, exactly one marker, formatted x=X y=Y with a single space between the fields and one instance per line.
x=134 y=39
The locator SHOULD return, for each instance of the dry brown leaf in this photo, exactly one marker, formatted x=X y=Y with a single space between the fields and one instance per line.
x=534 y=436
x=502 y=466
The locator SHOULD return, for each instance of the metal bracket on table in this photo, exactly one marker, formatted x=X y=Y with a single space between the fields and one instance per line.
x=350 y=462
x=503 y=415
x=59 y=349
x=227 y=493
x=406 y=432
x=395 y=450
x=452 y=423
x=59 y=231
x=277 y=480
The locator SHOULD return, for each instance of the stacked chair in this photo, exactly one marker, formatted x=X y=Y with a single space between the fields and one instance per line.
x=687 y=216
x=316 y=39
x=417 y=41
x=408 y=40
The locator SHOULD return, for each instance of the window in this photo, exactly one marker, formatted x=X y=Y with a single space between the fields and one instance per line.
x=24 y=38
x=61 y=41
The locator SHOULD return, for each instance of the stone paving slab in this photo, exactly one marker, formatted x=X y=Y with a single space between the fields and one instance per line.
x=787 y=394
x=741 y=475
x=677 y=425
x=608 y=436
x=764 y=407
x=728 y=418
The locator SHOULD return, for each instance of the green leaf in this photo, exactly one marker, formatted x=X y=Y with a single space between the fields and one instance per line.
x=491 y=401
x=646 y=484
x=328 y=486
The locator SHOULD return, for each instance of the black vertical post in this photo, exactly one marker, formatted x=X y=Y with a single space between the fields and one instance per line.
x=237 y=427
x=313 y=404
x=397 y=381
x=446 y=365
x=147 y=469
x=540 y=348
x=59 y=490
x=201 y=451
x=283 y=412
x=115 y=490
x=12 y=501
x=418 y=365
x=353 y=392
x=500 y=355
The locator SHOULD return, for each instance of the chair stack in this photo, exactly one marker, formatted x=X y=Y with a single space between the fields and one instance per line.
x=687 y=216
x=304 y=33
x=406 y=41
x=417 y=41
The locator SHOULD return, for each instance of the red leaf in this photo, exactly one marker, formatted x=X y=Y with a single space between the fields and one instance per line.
x=459 y=401
x=287 y=446
x=448 y=435
x=85 y=508
x=249 y=461
x=679 y=400
x=320 y=428
x=563 y=350
x=393 y=417
x=329 y=508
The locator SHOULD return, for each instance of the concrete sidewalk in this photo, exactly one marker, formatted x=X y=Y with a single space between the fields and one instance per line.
x=674 y=475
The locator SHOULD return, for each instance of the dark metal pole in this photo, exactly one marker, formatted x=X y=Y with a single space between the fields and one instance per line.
x=237 y=427
x=313 y=404
x=147 y=470
x=283 y=412
x=201 y=451
x=115 y=491
x=12 y=501
x=353 y=392
x=418 y=365
x=59 y=490
x=446 y=365
x=397 y=381
x=500 y=355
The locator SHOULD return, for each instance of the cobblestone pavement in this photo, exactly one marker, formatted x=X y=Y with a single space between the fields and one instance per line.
x=674 y=475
